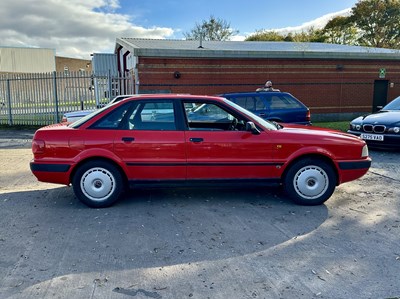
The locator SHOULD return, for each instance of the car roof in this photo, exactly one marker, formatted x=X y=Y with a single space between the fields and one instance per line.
x=173 y=96
x=253 y=93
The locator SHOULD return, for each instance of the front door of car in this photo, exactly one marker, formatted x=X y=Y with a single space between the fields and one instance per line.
x=219 y=147
x=149 y=143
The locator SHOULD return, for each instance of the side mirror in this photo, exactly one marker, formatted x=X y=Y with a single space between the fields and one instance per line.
x=251 y=127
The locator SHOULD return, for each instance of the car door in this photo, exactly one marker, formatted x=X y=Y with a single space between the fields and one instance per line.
x=149 y=143
x=216 y=150
x=253 y=103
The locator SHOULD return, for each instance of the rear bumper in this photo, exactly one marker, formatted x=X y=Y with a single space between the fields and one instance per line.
x=51 y=173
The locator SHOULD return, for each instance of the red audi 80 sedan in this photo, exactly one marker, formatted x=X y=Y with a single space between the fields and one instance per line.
x=190 y=141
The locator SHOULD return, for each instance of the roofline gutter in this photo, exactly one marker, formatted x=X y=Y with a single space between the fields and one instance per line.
x=204 y=53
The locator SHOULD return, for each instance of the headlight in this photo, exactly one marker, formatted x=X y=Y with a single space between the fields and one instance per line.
x=394 y=130
x=364 y=152
x=356 y=127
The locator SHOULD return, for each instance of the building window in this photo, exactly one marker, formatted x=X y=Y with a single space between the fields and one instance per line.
x=66 y=71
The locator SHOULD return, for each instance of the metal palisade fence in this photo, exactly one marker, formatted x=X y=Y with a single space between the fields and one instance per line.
x=42 y=98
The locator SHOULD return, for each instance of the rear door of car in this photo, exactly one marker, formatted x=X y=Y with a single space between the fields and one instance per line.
x=283 y=107
x=149 y=143
x=253 y=102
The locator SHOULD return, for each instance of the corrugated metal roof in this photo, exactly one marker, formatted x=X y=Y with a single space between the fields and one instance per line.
x=165 y=47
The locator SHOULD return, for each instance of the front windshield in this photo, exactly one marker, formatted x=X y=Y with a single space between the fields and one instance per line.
x=393 y=105
x=265 y=123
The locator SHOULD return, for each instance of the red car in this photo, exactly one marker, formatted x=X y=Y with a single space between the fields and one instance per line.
x=192 y=140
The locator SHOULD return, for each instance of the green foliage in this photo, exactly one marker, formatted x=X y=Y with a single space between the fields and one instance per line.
x=340 y=30
x=372 y=23
x=310 y=35
x=378 y=22
x=266 y=36
x=213 y=29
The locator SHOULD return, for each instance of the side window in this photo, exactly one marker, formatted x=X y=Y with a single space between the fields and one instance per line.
x=291 y=102
x=250 y=103
x=158 y=116
x=114 y=119
x=260 y=104
x=276 y=103
x=207 y=113
x=245 y=102
x=211 y=117
x=284 y=102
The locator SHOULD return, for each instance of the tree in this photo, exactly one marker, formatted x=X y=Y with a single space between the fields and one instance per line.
x=378 y=22
x=310 y=35
x=340 y=30
x=213 y=29
x=263 y=35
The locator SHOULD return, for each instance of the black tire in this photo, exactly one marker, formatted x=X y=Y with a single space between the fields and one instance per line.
x=98 y=184
x=310 y=182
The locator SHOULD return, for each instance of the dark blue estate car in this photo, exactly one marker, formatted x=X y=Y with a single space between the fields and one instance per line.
x=272 y=105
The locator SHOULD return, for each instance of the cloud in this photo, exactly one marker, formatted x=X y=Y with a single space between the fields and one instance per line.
x=75 y=28
x=317 y=23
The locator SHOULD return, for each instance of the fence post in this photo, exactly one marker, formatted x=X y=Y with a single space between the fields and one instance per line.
x=10 y=120
x=109 y=85
x=56 y=117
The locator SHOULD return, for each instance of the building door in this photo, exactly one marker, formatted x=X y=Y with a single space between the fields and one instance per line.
x=380 y=94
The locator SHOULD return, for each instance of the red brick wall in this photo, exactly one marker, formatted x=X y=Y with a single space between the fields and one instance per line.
x=326 y=86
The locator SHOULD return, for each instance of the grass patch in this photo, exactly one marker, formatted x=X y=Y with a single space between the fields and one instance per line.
x=336 y=125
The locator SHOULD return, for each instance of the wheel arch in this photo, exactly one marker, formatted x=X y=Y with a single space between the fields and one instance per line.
x=317 y=156
x=98 y=158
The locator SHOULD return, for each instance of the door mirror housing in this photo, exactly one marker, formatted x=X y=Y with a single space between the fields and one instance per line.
x=251 y=127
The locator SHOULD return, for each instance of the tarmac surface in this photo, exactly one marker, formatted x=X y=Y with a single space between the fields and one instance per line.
x=197 y=243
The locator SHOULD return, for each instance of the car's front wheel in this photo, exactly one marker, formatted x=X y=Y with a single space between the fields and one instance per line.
x=310 y=181
x=98 y=184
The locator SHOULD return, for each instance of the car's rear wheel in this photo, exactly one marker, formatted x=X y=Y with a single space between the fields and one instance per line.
x=310 y=181
x=98 y=184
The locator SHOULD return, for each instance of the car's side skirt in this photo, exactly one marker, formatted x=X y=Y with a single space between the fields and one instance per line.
x=204 y=183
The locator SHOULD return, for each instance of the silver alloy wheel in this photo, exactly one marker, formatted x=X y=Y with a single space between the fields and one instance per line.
x=311 y=182
x=97 y=184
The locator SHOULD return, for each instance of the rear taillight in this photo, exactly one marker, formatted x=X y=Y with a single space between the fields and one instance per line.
x=38 y=146
x=308 y=115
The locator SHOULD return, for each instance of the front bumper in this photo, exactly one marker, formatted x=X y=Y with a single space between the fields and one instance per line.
x=389 y=140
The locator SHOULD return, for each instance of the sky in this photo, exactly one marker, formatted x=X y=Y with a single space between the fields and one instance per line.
x=77 y=28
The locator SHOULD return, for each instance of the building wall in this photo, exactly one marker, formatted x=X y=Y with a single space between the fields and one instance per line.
x=326 y=86
x=72 y=64
x=26 y=60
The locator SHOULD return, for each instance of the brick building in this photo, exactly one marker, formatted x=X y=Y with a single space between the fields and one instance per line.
x=67 y=65
x=335 y=81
